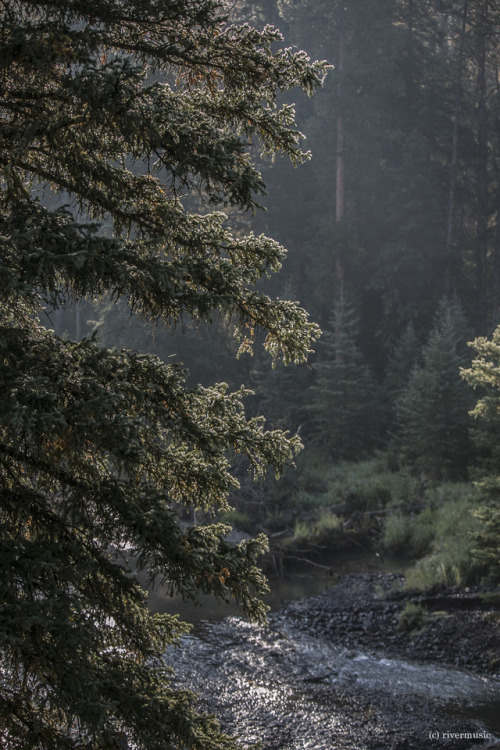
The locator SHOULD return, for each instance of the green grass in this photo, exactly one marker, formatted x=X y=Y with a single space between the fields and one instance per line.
x=432 y=523
x=362 y=485
x=327 y=528
x=441 y=535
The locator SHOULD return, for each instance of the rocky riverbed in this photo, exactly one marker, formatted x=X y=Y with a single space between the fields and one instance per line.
x=335 y=671
x=460 y=628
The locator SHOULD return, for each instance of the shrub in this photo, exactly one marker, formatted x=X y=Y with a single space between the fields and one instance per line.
x=328 y=526
x=413 y=617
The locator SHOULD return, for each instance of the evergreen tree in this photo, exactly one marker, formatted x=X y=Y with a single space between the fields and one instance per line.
x=390 y=103
x=484 y=374
x=432 y=411
x=207 y=350
x=124 y=110
x=404 y=358
x=345 y=401
x=402 y=361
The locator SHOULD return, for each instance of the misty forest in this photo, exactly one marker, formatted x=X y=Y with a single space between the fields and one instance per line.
x=249 y=374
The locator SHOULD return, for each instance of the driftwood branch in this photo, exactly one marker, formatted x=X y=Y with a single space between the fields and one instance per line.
x=310 y=562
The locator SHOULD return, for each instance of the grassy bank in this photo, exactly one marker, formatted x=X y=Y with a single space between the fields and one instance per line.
x=366 y=504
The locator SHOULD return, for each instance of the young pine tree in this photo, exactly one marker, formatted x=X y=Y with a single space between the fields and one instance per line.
x=404 y=357
x=432 y=422
x=124 y=110
x=402 y=361
x=344 y=404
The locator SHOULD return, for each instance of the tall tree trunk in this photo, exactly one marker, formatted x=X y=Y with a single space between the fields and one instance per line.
x=495 y=297
x=339 y=182
x=340 y=186
x=481 y=180
x=410 y=67
x=454 y=152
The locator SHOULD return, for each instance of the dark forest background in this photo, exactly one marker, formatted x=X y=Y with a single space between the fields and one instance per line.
x=393 y=237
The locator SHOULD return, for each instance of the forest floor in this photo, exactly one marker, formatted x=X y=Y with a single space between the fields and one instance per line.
x=337 y=672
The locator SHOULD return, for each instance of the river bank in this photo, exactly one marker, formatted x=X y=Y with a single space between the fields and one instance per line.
x=459 y=628
x=335 y=671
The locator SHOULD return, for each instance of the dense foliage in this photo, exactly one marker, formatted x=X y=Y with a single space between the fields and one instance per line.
x=484 y=375
x=116 y=121
x=396 y=211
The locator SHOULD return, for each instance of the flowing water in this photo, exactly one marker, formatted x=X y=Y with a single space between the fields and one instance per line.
x=304 y=579
x=294 y=692
x=282 y=687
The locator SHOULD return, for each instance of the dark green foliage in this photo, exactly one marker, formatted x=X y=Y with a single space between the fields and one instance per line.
x=432 y=411
x=410 y=232
x=396 y=104
x=282 y=393
x=484 y=375
x=412 y=617
x=486 y=550
x=345 y=395
x=420 y=155
x=124 y=111
x=207 y=350
x=404 y=358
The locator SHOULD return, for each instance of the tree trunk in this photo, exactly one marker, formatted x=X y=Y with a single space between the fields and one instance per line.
x=454 y=153
x=340 y=186
x=410 y=67
x=495 y=319
x=495 y=301
x=482 y=181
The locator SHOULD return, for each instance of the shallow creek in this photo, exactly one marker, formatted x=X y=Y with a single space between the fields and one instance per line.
x=290 y=690
x=300 y=581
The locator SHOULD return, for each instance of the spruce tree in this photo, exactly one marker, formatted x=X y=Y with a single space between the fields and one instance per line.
x=403 y=359
x=345 y=404
x=432 y=411
x=111 y=115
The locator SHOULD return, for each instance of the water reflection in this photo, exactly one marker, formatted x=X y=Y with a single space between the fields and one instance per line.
x=300 y=580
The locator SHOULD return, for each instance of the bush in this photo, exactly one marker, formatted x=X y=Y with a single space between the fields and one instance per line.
x=439 y=569
x=423 y=531
x=413 y=535
x=413 y=617
x=328 y=526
